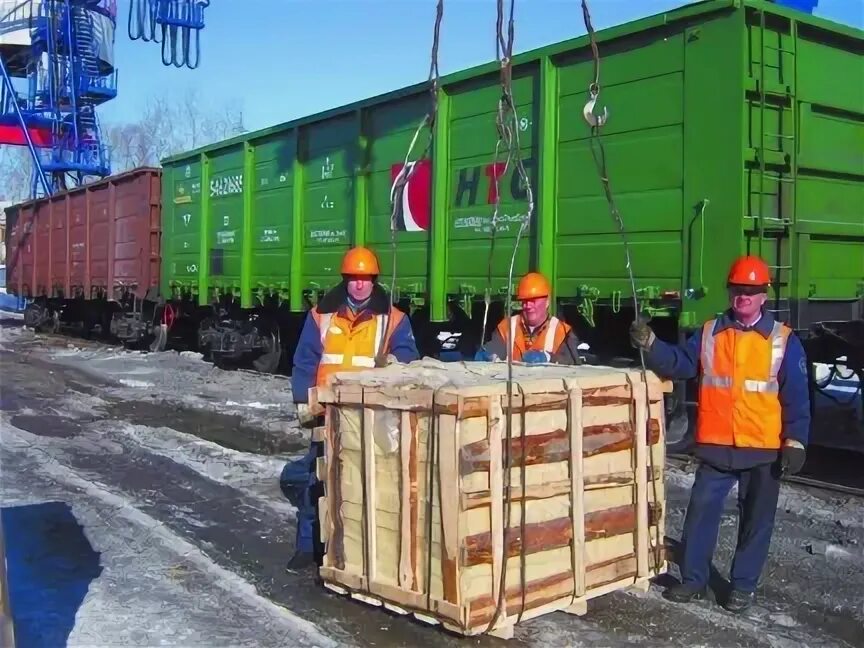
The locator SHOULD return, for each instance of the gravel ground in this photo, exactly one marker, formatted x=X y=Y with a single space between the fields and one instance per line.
x=160 y=474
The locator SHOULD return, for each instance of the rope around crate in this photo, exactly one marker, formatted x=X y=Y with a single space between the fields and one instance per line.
x=598 y=151
x=408 y=167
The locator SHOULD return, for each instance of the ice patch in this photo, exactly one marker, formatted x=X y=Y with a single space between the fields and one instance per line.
x=251 y=474
x=183 y=379
x=253 y=405
x=128 y=382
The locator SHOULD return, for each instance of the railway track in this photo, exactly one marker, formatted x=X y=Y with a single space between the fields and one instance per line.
x=803 y=480
x=825 y=485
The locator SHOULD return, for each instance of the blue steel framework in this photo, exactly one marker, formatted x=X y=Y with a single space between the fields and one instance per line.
x=66 y=79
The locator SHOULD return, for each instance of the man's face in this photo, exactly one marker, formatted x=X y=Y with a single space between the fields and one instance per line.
x=359 y=287
x=747 y=301
x=534 y=310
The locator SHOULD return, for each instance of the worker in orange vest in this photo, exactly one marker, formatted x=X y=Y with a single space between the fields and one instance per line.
x=354 y=327
x=535 y=336
x=753 y=426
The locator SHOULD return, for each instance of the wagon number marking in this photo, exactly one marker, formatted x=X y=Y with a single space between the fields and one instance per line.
x=327 y=169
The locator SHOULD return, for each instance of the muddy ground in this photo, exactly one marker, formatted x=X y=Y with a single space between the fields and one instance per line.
x=141 y=506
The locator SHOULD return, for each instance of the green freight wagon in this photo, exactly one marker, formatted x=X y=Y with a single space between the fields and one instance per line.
x=734 y=126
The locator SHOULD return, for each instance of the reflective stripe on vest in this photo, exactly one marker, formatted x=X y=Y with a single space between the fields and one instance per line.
x=551 y=330
x=338 y=359
x=349 y=344
x=356 y=361
x=711 y=379
x=739 y=388
x=549 y=338
x=324 y=324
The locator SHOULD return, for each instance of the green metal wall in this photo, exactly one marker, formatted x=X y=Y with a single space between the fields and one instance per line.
x=728 y=133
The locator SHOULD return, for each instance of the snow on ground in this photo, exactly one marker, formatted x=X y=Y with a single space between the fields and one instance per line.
x=183 y=379
x=143 y=585
x=256 y=475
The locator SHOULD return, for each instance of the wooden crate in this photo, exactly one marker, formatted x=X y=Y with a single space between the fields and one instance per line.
x=397 y=434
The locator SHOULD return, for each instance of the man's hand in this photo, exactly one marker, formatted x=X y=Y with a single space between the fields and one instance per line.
x=536 y=357
x=641 y=335
x=484 y=356
x=305 y=415
x=792 y=457
x=384 y=361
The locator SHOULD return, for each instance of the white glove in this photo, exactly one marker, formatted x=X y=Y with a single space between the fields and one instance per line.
x=386 y=361
x=304 y=415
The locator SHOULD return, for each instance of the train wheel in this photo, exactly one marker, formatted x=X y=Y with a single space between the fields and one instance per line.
x=268 y=362
x=55 y=323
x=35 y=315
x=160 y=338
x=167 y=316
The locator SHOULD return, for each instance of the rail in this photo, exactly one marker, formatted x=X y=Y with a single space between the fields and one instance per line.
x=822 y=484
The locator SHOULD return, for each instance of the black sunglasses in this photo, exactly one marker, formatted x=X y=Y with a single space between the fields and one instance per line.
x=747 y=290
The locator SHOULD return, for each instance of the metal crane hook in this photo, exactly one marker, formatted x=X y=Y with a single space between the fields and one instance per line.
x=588 y=111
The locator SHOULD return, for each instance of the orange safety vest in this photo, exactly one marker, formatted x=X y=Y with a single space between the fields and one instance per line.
x=739 y=393
x=351 y=343
x=547 y=337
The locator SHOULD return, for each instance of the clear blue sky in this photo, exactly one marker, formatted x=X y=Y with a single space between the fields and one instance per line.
x=283 y=59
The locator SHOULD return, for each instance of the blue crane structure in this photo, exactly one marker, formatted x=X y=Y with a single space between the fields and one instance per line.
x=57 y=67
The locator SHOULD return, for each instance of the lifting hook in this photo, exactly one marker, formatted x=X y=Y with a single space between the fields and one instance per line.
x=593 y=120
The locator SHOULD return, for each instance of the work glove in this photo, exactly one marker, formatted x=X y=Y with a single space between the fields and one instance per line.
x=384 y=361
x=484 y=356
x=305 y=415
x=792 y=457
x=641 y=335
x=536 y=357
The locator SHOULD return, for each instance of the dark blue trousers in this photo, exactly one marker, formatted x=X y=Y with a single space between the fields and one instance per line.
x=758 y=490
x=301 y=486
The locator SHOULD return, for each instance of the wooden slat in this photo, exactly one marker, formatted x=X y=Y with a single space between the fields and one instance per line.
x=496 y=484
x=600 y=439
x=640 y=404
x=333 y=490
x=555 y=446
x=413 y=499
x=551 y=489
x=406 y=486
x=448 y=475
x=553 y=534
x=577 y=491
x=370 y=528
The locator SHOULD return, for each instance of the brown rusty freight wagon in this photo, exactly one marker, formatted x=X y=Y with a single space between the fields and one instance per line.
x=82 y=255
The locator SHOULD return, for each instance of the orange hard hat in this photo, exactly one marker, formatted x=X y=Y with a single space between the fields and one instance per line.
x=749 y=271
x=533 y=285
x=360 y=261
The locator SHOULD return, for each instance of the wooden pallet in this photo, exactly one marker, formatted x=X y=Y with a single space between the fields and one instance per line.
x=586 y=461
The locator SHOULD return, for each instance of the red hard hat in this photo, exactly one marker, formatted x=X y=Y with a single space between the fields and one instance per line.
x=749 y=271
x=360 y=261
x=533 y=285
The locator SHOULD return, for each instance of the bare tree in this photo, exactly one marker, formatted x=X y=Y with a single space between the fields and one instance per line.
x=166 y=128
x=16 y=173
